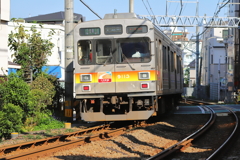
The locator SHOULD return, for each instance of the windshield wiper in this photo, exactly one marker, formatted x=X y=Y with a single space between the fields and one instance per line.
x=126 y=59
x=107 y=59
x=111 y=56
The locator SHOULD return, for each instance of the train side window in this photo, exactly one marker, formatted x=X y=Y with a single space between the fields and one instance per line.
x=175 y=60
x=164 y=57
x=84 y=52
x=172 y=62
x=160 y=53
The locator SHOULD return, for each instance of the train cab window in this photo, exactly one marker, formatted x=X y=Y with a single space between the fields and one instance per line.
x=133 y=50
x=104 y=51
x=84 y=52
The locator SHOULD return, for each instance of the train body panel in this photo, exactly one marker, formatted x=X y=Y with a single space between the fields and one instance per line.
x=123 y=67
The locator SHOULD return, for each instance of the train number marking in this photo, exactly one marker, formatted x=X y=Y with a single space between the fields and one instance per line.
x=123 y=76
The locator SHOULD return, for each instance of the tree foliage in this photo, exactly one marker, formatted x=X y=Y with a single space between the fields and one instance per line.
x=30 y=50
x=186 y=76
x=43 y=90
x=10 y=119
x=17 y=92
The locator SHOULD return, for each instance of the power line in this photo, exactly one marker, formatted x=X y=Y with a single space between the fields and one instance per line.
x=150 y=8
x=215 y=15
x=146 y=8
x=90 y=9
x=179 y=15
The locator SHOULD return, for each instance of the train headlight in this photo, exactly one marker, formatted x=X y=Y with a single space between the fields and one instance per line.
x=86 y=77
x=144 y=75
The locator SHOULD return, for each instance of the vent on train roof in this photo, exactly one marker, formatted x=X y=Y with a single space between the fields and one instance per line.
x=120 y=15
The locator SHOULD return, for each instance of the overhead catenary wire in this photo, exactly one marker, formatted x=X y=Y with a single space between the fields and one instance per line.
x=150 y=9
x=215 y=15
x=90 y=9
x=146 y=7
x=179 y=15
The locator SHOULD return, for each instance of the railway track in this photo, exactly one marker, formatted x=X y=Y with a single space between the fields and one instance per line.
x=186 y=142
x=85 y=136
x=44 y=147
x=48 y=146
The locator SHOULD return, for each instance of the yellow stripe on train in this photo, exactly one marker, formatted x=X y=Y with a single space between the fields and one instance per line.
x=104 y=77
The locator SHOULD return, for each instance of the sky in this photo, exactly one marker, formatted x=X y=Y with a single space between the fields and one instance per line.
x=31 y=8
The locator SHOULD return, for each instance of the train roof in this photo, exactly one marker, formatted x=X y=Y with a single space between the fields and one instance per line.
x=120 y=16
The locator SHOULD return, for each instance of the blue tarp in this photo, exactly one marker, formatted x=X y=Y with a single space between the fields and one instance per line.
x=52 y=70
x=12 y=70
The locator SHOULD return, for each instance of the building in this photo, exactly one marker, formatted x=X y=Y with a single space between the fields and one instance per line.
x=56 y=62
x=233 y=53
x=57 y=18
x=179 y=36
x=4 y=19
x=214 y=61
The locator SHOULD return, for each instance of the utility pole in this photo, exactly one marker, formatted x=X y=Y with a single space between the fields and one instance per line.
x=197 y=58
x=68 y=58
x=131 y=6
x=197 y=64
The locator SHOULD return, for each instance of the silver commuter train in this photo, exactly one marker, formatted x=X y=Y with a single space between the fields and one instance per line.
x=125 y=68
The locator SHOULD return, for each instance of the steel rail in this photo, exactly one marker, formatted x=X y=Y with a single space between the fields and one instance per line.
x=48 y=150
x=234 y=132
x=217 y=152
x=188 y=139
x=32 y=144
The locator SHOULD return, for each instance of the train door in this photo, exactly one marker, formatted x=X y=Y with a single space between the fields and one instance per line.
x=104 y=68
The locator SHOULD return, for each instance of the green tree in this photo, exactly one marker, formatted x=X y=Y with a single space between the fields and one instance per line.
x=186 y=76
x=30 y=50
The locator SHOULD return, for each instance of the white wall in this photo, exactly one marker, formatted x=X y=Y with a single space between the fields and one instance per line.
x=5 y=12
x=57 y=39
x=213 y=48
x=57 y=57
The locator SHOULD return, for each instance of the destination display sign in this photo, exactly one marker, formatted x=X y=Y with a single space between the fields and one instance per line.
x=89 y=31
x=113 y=29
x=137 y=29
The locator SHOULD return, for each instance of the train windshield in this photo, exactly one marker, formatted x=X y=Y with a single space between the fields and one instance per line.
x=133 y=50
x=85 y=55
x=104 y=51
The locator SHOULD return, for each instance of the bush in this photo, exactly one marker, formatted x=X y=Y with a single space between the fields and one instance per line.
x=10 y=119
x=16 y=91
x=47 y=123
x=48 y=89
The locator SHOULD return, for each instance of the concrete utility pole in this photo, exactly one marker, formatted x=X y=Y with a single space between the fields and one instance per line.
x=197 y=64
x=68 y=57
x=131 y=6
x=197 y=58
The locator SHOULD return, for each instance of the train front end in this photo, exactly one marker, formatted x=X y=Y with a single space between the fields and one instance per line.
x=115 y=76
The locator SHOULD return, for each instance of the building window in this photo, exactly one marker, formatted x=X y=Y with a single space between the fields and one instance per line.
x=212 y=59
x=225 y=34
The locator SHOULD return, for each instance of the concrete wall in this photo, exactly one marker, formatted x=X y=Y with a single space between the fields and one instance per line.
x=57 y=58
x=5 y=15
x=5 y=10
